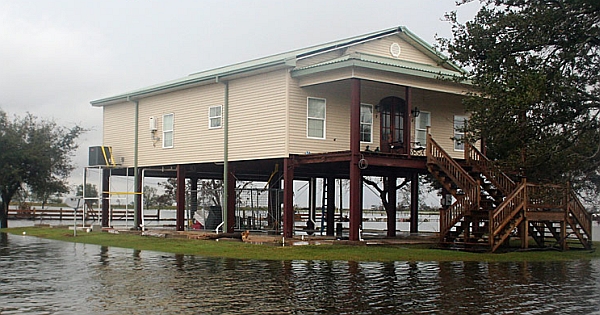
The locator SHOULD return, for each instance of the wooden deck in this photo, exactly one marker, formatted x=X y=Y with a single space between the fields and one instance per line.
x=490 y=208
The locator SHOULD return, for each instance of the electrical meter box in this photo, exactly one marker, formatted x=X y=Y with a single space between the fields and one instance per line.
x=100 y=156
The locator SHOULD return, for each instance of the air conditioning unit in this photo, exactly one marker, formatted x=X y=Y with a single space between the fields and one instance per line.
x=100 y=156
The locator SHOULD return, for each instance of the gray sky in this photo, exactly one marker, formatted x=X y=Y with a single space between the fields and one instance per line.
x=56 y=56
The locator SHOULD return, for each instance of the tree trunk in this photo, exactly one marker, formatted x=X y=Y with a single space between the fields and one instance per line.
x=3 y=215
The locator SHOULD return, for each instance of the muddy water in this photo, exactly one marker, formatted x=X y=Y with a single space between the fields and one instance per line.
x=48 y=277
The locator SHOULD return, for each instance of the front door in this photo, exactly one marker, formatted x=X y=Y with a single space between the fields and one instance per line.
x=392 y=110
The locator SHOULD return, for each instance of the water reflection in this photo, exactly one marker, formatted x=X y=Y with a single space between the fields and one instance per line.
x=47 y=277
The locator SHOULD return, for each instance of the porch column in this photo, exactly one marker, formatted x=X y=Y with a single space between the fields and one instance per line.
x=407 y=119
x=391 y=207
x=330 y=206
x=414 y=203
x=180 y=196
x=231 y=202
x=288 y=197
x=105 y=196
x=355 y=173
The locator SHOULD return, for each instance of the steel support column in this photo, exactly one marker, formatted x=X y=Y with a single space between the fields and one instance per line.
x=288 y=197
x=414 y=203
x=391 y=208
x=180 y=196
x=137 y=218
x=193 y=198
x=330 y=206
x=231 y=203
x=105 y=196
x=355 y=173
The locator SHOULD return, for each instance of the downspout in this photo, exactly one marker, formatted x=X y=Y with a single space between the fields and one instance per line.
x=136 y=203
x=225 y=157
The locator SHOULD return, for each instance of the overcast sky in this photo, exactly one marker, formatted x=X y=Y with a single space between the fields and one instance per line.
x=56 y=56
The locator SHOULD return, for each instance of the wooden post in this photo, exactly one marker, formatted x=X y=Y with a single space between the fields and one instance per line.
x=524 y=233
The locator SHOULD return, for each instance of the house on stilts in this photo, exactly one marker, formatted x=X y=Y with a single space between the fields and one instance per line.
x=379 y=104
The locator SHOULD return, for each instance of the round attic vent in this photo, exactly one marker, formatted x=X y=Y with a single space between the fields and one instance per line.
x=395 y=50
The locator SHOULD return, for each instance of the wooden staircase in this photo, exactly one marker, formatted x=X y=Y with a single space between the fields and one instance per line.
x=490 y=208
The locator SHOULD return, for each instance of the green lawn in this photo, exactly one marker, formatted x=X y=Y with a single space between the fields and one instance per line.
x=239 y=250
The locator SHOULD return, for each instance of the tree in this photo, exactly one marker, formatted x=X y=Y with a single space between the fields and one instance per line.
x=535 y=66
x=36 y=153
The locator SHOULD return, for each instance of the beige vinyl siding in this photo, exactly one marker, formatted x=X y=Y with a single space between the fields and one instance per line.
x=381 y=47
x=337 y=124
x=118 y=131
x=257 y=117
x=443 y=107
x=319 y=58
x=191 y=135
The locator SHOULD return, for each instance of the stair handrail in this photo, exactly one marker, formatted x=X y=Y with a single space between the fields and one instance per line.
x=506 y=211
x=491 y=171
x=441 y=158
x=472 y=191
x=583 y=217
x=456 y=211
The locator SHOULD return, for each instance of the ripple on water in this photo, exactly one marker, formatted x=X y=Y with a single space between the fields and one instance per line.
x=48 y=277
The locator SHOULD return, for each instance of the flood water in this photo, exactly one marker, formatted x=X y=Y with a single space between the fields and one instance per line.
x=41 y=276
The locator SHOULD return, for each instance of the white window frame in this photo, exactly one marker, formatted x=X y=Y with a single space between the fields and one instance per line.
x=219 y=117
x=168 y=131
x=458 y=135
x=422 y=129
x=362 y=123
x=322 y=119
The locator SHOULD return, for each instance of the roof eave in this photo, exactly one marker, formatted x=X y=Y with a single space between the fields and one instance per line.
x=194 y=80
x=373 y=66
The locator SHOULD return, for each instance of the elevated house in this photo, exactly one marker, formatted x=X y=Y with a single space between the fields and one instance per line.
x=379 y=104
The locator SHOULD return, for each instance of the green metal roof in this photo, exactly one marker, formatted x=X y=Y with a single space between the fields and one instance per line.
x=377 y=63
x=288 y=59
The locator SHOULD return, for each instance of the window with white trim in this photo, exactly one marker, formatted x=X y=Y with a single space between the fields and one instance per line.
x=215 y=115
x=315 y=118
x=167 y=128
x=366 y=123
x=459 y=133
x=421 y=123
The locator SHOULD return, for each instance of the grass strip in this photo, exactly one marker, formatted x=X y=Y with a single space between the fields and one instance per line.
x=240 y=250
